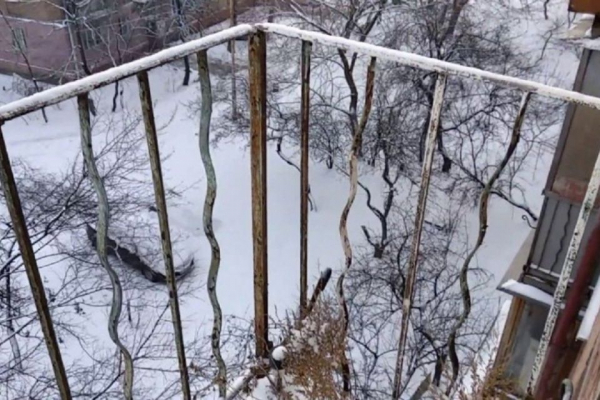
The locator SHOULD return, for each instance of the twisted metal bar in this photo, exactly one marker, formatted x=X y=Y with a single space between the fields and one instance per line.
x=483 y=225
x=209 y=202
x=102 y=232
x=359 y=127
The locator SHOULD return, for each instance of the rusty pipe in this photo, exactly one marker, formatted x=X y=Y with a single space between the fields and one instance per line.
x=568 y=317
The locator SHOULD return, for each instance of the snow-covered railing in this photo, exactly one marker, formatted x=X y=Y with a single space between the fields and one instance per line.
x=57 y=94
x=72 y=89
x=431 y=64
x=258 y=134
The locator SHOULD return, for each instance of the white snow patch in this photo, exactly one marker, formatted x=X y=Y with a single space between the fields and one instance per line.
x=528 y=291
x=590 y=316
x=279 y=353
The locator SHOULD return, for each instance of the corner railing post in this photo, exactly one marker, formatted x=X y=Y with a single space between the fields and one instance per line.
x=257 y=53
x=304 y=181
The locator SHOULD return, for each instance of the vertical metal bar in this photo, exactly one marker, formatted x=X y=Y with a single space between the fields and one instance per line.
x=257 y=53
x=13 y=203
x=358 y=128
x=304 y=188
x=432 y=135
x=87 y=150
x=233 y=17
x=207 y=217
x=563 y=280
x=163 y=219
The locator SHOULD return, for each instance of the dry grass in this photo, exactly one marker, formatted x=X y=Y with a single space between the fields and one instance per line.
x=314 y=349
x=491 y=386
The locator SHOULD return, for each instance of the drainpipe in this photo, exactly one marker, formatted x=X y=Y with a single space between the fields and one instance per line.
x=568 y=318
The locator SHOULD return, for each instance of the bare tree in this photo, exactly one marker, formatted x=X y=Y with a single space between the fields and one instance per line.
x=58 y=208
x=476 y=119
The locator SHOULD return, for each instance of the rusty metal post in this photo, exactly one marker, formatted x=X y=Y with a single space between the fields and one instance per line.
x=432 y=135
x=568 y=318
x=163 y=219
x=304 y=185
x=233 y=22
x=13 y=203
x=257 y=53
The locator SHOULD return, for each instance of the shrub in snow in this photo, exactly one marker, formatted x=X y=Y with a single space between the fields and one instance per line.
x=311 y=355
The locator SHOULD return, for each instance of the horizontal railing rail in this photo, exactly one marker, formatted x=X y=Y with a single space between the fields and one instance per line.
x=72 y=89
x=57 y=94
x=432 y=64
x=258 y=133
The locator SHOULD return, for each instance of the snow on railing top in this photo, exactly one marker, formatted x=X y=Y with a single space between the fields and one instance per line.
x=63 y=92
x=72 y=89
x=431 y=64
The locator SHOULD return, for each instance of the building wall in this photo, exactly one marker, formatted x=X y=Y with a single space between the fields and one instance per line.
x=574 y=159
x=554 y=232
x=47 y=48
x=39 y=10
x=575 y=156
x=124 y=35
x=144 y=38
x=585 y=6
x=150 y=25
x=586 y=372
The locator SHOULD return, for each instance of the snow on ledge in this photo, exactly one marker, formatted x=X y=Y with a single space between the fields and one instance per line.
x=529 y=292
x=585 y=329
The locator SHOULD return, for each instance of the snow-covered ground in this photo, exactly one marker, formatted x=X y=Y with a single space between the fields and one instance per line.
x=53 y=146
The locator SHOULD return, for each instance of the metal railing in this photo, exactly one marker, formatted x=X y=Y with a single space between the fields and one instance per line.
x=258 y=133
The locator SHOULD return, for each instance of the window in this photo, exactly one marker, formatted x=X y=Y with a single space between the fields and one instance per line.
x=90 y=39
x=525 y=344
x=126 y=30
x=95 y=6
x=18 y=39
x=152 y=27
x=177 y=7
x=93 y=33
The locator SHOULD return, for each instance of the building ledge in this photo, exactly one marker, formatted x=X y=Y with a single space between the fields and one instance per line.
x=517 y=266
x=526 y=291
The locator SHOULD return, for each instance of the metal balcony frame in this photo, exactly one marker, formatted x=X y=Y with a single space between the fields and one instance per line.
x=258 y=114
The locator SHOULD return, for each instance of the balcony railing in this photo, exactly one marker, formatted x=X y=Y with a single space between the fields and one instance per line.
x=258 y=116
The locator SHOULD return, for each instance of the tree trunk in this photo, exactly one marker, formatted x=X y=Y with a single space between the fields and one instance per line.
x=14 y=344
x=115 y=96
x=187 y=73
